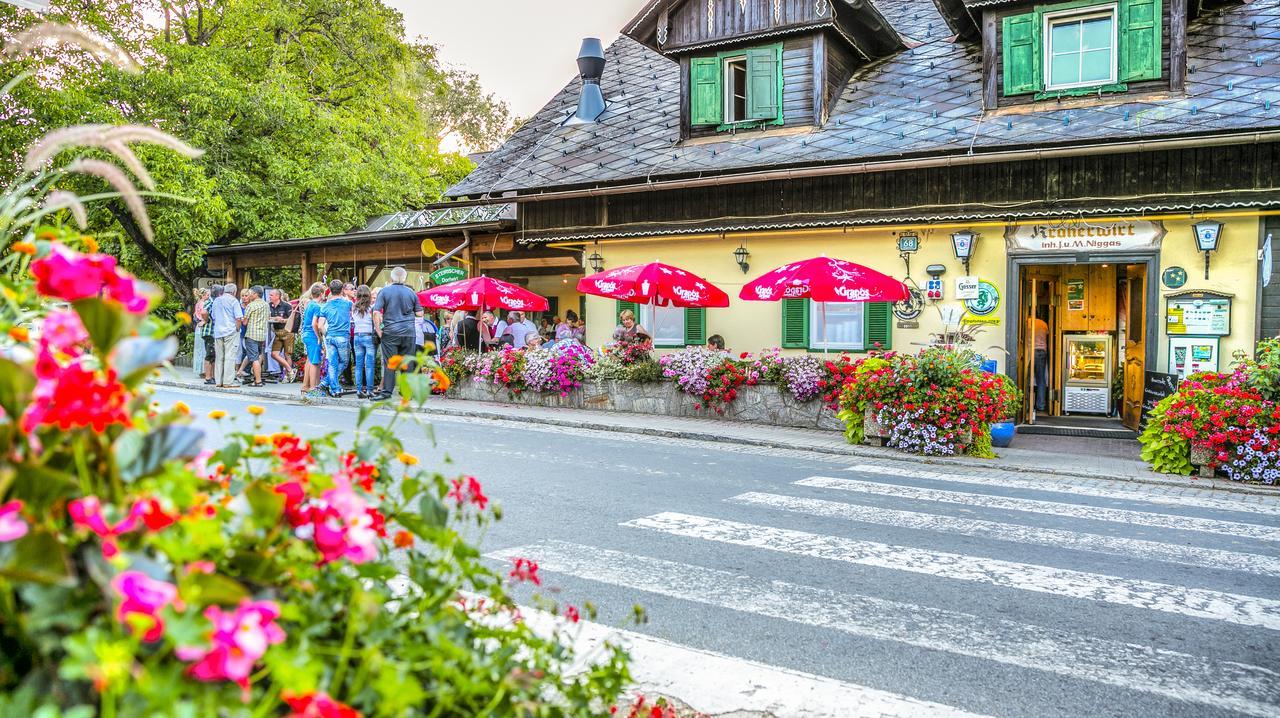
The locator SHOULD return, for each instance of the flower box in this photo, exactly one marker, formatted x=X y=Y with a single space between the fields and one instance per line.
x=1201 y=458
x=762 y=404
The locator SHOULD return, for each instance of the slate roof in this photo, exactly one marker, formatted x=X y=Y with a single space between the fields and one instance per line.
x=922 y=101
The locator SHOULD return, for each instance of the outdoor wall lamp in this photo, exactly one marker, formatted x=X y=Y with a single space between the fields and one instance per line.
x=1208 y=232
x=740 y=256
x=963 y=243
x=596 y=262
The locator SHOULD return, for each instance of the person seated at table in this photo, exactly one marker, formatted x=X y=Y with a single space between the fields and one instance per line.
x=715 y=343
x=532 y=340
x=565 y=329
x=630 y=331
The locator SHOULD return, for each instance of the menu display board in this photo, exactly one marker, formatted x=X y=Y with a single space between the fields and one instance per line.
x=1198 y=314
x=1155 y=388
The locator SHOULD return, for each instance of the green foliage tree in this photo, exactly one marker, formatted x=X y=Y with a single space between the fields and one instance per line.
x=317 y=115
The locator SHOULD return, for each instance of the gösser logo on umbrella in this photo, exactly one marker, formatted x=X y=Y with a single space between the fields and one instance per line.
x=824 y=279
x=482 y=293
x=654 y=283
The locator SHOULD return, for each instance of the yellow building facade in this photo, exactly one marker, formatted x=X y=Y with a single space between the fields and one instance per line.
x=1114 y=279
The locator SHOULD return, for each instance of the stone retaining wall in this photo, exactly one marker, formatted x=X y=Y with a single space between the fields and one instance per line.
x=764 y=404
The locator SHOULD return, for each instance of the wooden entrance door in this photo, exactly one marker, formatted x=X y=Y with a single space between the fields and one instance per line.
x=1028 y=346
x=1135 y=349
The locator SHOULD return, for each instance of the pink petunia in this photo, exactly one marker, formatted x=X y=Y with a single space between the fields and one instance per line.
x=237 y=642
x=69 y=275
x=143 y=596
x=87 y=513
x=12 y=525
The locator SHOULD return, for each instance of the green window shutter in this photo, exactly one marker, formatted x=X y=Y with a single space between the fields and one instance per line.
x=1140 y=51
x=624 y=306
x=1021 y=54
x=695 y=326
x=706 y=104
x=877 y=326
x=764 y=83
x=795 y=323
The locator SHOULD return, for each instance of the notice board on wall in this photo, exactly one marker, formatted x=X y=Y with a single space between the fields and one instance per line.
x=1200 y=314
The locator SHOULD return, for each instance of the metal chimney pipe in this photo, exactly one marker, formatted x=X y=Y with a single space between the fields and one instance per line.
x=591 y=69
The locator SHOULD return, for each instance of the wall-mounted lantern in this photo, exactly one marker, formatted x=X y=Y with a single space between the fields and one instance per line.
x=596 y=262
x=1208 y=232
x=740 y=256
x=963 y=242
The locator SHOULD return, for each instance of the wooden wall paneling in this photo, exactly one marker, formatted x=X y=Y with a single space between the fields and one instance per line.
x=797 y=81
x=990 y=62
x=819 y=60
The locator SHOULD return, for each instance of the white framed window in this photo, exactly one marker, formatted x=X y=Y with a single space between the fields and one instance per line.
x=735 y=89
x=1081 y=48
x=666 y=324
x=837 y=326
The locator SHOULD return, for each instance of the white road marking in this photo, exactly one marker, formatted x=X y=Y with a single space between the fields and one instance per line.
x=1057 y=538
x=1226 y=685
x=1044 y=483
x=714 y=683
x=1181 y=600
x=1075 y=511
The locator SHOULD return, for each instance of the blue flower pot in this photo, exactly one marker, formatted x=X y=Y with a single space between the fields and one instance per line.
x=1002 y=433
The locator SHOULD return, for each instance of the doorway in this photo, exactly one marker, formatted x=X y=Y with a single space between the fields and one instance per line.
x=1082 y=342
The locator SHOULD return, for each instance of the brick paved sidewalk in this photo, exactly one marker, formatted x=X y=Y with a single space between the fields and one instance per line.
x=1064 y=456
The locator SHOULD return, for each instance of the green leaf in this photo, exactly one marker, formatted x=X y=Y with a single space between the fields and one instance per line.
x=106 y=323
x=39 y=485
x=16 y=383
x=365 y=411
x=169 y=443
x=127 y=448
x=37 y=557
x=266 y=503
x=211 y=588
x=417 y=387
x=432 y=511
x=136 y=357
x=410 y=488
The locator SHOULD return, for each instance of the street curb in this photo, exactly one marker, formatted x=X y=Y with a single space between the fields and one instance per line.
x=707 y=436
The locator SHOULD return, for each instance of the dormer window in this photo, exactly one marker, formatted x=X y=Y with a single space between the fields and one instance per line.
x=1081 y=48
x=736 y=88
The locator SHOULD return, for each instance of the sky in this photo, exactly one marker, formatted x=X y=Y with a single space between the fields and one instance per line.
x=523 y=50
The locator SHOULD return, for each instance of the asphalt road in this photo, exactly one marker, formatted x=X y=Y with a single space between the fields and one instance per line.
x=997 y=594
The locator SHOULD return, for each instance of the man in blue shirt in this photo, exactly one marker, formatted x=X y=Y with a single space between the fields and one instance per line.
x=337 y=337
x=227 y=316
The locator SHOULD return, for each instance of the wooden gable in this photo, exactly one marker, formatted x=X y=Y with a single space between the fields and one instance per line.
x=672 y=27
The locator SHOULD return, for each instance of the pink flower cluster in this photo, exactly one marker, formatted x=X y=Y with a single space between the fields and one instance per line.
x=88 y=513
x=238 y=640
x=142 y=599
x=12 y=525
x=68 y=275
x=340 y=522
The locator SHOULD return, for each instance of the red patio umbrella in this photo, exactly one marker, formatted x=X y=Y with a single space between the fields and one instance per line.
x=482 y=293
x=654 y=283
x=824 y=279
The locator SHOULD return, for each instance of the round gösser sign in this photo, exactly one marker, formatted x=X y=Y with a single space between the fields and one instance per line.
x=1086 y=236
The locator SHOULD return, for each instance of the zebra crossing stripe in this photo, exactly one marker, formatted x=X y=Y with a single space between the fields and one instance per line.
x=1215 y=503
x=1055 y=508
x=716 y=684
x=1226 y=685
x=1180 y=600
x=1057 y=538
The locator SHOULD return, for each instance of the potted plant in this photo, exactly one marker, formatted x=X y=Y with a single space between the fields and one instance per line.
x=1003 y=430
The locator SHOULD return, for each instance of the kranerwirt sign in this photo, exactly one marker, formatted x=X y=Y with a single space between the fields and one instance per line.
x=1085 y=236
